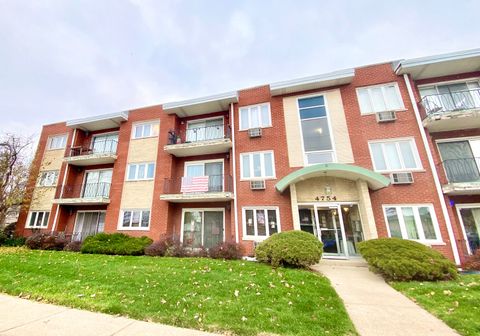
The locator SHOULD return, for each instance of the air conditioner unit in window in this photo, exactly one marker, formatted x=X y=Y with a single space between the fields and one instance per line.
x=255 y=132
x=401 y=178
x=386 y=116
x=257 y=185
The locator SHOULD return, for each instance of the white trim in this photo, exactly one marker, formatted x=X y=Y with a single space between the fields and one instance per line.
x=50 y=138
x=120 y=226
x=29 y=218
x=153 y=122
x=453 y=56
x=201 y=100
x=203 y=210
x=458 y=208
x=255 y=208
x=127 y=175
x=109 y=116
x=436 y=179
x=382 y=85
x=234 y=173
x=38 y=185
x=413 y=146
x=249 y=108
x=262 y=166
x=447 y=82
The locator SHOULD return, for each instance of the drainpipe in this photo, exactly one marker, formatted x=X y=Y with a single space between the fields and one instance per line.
x=234 y=174
x=438 y=186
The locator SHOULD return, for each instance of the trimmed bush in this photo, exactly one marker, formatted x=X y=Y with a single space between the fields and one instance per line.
x=115 y=243
x=290 y=248
x=226 y=250
x=15 y=241
x=73 y=246
x=473 y=262
x=166 y=247
x=405 y=260
x=46 y=241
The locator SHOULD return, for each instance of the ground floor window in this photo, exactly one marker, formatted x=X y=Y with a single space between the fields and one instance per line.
x=203 y=227
x=38 y=219
x=415 y=222
x=138 y=219
x=470 y=220
x=260 y=222
x=88 y=223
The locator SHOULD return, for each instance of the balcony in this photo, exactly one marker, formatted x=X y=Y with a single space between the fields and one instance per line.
x=463 y=176
x=103 y=152
x=213 y=188
x=85 y=194
x=451 y=111
x=199 y=141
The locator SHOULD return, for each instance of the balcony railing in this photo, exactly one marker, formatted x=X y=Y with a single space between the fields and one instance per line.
x=462 y=170
x=85 y=191
x=108 y=146
x=199 y=134
x=215 y=184
x=449 y=102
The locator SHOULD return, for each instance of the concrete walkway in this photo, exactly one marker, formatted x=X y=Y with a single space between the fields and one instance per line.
x=376 y=308
x=21 y=317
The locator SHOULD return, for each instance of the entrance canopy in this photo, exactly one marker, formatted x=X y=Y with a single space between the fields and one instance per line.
x=374 y=180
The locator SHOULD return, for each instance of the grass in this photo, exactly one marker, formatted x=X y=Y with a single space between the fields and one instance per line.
x=237 y=297
x=455 y=302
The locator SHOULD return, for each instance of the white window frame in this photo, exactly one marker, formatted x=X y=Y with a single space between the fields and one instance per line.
x=120 y=226
x=56 y=136
x=382 y=86
x=418 y=222
x=129 y=166
x=40 y=178
x=265 y=209
x=36 y=212
x=249 y=108
x=262 y=166
x=459 y=207
x=203 y=210
x=413 y=146
x=153 y=124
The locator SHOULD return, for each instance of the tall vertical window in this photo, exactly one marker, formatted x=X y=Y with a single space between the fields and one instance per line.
x=379 y=98
x=255 y=116
x=317 y=142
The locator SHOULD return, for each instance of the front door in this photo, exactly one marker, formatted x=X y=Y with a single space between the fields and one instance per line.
x=331 y=233
x=470 y=219
x=88 y=223
x=202 y=228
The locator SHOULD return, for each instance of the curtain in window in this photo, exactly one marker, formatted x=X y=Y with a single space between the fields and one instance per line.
x=393 y=223
x=409 y=220
x=458 y=161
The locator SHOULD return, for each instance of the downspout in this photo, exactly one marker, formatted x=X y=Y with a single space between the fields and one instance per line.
x=234 y=161
x=438 y=186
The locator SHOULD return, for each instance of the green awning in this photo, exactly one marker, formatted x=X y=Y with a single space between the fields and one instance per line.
x=374 y=180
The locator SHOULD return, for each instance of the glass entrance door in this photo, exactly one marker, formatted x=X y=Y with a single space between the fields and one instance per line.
x=202 y=228
x=331 y=231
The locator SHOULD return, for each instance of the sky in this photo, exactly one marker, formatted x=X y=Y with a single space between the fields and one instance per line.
x=62 y=60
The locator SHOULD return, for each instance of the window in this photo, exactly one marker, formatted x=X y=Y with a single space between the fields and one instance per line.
x=379 y=98
x=260 y=222
x=461 y=159
x=57 y=141
x=398 y=155
x=451 y=96
x=38 y=219
x=135 y=219
x=145 y=130
x=48 y=178
x=412 y=222
x=140 y=171
x=257 y=165
x=255 y=116
x=317 y=142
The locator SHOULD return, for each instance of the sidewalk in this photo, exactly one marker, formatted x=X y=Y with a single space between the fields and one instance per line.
x=376 y=308
x=21 y=317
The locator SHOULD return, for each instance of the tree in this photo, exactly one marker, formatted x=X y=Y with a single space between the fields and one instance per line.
x=14 y=170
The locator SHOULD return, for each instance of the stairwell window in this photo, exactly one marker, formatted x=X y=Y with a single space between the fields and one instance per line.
x=140 y=171
x=145 y=130
x=395 y=155
x=260 y=222
x=255 y=116
x=48 y=178
x=138 y=219
x=38 y=219
x=415 y=222
x=379 y=98
x=257 y=165
x=57 y=142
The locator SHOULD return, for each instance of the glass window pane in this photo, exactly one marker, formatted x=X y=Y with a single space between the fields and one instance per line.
x=155 y=129
x=254 y=117
x=145 y=218
x=316 y=135
x=377 y=99
x=392 y=156
x=272 y=221
x=135 y=218
x=268 y=164
x=147 y=130
x=427 y=223
x=39 y=219
x=266 y=115
x=257 y=167
x=32 y=219
x=141 y=171
x=393 y=223
x=45 y=219
x=407 y=154
x=261 y=223
x=312 y=101
x=249 y=222
x=132 y=171
x=246 y=166
x=315 y=112
x=391 y=95
x=151 y=170
x=364 y=101
x=244 y=118
x=126 y=218
x=409 y=220
x=378 y=159
x=138 y=131
x=319 y=157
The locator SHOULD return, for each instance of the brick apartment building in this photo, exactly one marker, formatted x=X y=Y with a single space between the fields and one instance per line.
x=389 y=149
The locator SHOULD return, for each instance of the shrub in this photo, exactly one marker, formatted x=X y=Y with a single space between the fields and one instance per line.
x=46 y=241
x=291 y=248
x=166 y=247
x=15 y=241
x=73 y=246
x=226 y=250
x=473 y=261
x=115 y=243
x=405 y=260
x=3 y=238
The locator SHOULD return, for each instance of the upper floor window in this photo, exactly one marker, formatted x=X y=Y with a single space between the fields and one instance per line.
x=317 y=142
x=57 y=141
x=260 y=222
x=48 y=178
x=257 y=165
x=255 y=116
x=38 y=219
x=379 y=98
x=395 y=155
x=451 y=96
x=135 y=219
x=105 y=143
x=146 y=130
x=140 y=171
x=460 y=159
x=412 y=222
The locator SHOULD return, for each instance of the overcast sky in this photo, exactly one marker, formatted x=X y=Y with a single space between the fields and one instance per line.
x=62 y=60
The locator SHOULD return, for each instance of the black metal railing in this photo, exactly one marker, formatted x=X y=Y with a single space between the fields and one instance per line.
x=80 y=236
x=187 y=185
x=462 y=170
x=108 y=146
x=198 y=134
x=451 y=101
x=87 y=190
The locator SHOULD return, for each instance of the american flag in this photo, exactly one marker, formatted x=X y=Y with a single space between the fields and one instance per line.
x=191 y=184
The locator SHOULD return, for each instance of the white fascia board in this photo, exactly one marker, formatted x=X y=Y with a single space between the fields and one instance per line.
x=79 y=122
x=228 y=96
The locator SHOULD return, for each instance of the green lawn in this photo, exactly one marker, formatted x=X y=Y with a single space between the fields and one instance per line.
x=455 y=302
x=244 y=298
